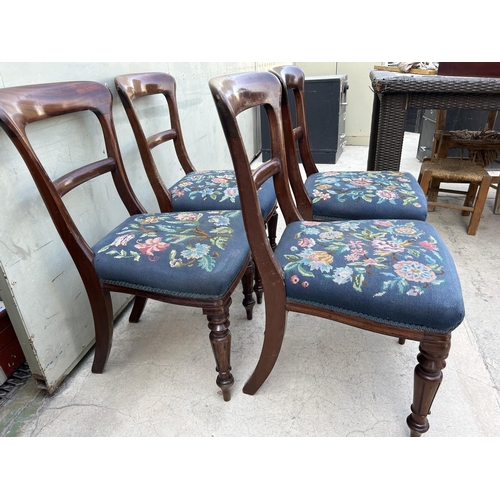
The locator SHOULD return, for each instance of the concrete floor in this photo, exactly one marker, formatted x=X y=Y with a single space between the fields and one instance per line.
x=330 y=380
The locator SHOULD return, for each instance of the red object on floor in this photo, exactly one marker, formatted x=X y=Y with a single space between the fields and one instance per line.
x=11 y=354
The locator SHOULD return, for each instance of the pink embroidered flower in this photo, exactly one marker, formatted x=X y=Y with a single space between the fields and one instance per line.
x=361 y=182
x=384 y=223
x=185 y=183
x=310 y=223
x=355 y=256
x=306 y=242
x=152 y=245
x=177 y=193
x=294 y=279
x=231 y=192
x=305 y=284
x=221 y=179
x=319 y=194
x=428 y=245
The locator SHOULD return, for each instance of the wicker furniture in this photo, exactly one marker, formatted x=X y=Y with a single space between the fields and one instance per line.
x=395 y=93
x=394 y=277
x=434 y=171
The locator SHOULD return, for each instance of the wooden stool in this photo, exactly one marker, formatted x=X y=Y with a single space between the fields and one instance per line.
x=436 y=170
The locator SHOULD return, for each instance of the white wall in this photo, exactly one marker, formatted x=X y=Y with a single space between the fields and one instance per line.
x=359 y=95
x=39 y=284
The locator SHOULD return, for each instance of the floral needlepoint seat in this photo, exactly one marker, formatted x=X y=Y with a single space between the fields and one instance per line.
x=171 y=251
x=216 y=190
x=389 y=271
x=336 y=194
x=348 y=195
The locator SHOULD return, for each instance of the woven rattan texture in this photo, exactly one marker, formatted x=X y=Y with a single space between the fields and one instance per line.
x=387 y=82
x=454 y=169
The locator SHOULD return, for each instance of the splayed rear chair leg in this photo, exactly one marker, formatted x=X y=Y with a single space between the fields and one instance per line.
x=137 y=309
x=102 y=311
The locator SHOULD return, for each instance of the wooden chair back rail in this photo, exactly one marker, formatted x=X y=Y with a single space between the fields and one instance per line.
x=83 y=174
x=161 y=137
x=134 y=86
x=265 y=171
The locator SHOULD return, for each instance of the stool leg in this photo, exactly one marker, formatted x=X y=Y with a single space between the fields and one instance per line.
x=479 y=205
x=425 y=180
x=470 y=197
x=496 y=206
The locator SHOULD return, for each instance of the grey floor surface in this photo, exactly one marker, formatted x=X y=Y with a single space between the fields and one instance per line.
x=330 y=380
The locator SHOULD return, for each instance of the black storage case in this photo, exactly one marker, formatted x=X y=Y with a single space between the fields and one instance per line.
x=326 y=104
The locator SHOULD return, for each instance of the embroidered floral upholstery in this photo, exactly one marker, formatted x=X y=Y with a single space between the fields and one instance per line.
x=403 y=267
x=366 y=195
x=216 y=190
x=176 y=253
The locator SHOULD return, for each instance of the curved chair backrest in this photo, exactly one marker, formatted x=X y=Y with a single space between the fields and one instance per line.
x=134 y=86
x=20 y=106
x=262 y=89
x=292 y=79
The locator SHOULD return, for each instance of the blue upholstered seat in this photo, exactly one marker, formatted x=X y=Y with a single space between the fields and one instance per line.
x=392 y=271
x=188 y=254
x=338 y=195
x=216 y=190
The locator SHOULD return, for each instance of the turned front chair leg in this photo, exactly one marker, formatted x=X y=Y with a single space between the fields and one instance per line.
x=220 y=339
x=258 y=288
x=428 y=377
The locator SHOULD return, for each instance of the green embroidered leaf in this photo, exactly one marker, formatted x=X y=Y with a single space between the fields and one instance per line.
x=220 y=242
x=121 y=255
x=172 y=255
x=207 y=263
x=305 y=272
x=222 y=230
x=289 y=266
x=357 y=282
x=413 y=252
x=293 y=258
x=136 y=255
x=103 y=249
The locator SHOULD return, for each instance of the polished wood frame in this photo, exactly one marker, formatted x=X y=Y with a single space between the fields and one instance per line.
x=20 y=106
x=234 y=94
